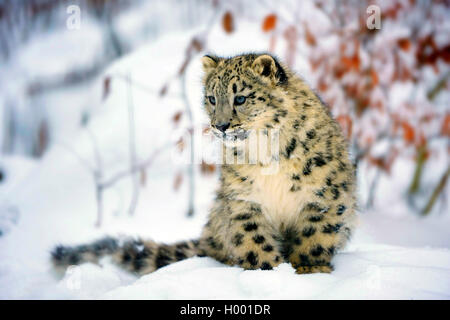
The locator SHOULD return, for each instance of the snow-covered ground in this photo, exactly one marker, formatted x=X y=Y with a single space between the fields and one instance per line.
x=393 y=255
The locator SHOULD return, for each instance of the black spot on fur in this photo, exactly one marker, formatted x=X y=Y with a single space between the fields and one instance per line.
x=162 y=258
x=307 y=167
x=315 y=218
x=311 y=134
x=126 y=257
x=255 y=209
x=319 y=161
x=315 y=206
x=308 y=231
x=295 y=177
x=237 y=239
x=258 y=238
x=250 y=226
x=180 y=255
x=266 y=266
x=287 y=239
x=268 y=248
x=331 y=250
x=320 y=193
x=243 y=216
x=335 y=193
x=74 y=258
x=234 y=88
x=340 y=210
x=252 y=258
x=291 y=147
x=59 y=253
x=342 y=166
x=139 y=261
x=317 y=251
x=331 y=228
x=304 y=260
x=213 y=244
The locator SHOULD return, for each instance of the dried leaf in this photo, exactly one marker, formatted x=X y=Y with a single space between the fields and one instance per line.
x=227 y=22
x=177 y=181
x=445 y=129
x=309 y=37
x=207 y=168
x=43 y=137
x=163 y=90
x=269 y=22
x=404 y=44
x=180 y=144
x=374 y=77
x=408 y=132
x=106 y=87
x=346 y=124
x=177 y=117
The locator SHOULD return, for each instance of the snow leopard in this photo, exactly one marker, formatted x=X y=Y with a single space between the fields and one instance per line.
x=302 y=214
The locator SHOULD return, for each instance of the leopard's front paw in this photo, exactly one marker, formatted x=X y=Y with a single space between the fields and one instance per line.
x=314 y=269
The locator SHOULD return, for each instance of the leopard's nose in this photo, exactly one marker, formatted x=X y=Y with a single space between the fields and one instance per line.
x=223 y=126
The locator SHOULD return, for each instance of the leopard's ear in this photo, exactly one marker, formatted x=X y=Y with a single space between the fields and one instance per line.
x=267 y=67
x=209 y=62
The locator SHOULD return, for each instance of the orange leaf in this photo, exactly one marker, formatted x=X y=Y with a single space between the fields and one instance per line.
x=309 y=37
x=408 y=132
x=269 y=22
x=176 y=117
x=445 y=130
x=207 y=168
x=346 y=124
x=227 y=22
x=374 y=77
x=404 y=44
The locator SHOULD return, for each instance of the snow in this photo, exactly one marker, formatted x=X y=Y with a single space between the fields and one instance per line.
x=393 y=254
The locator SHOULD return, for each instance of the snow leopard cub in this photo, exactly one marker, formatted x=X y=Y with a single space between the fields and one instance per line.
x=302 y=213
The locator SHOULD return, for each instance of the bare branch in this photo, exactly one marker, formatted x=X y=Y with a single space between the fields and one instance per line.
x=436 y=192
x=132 y=149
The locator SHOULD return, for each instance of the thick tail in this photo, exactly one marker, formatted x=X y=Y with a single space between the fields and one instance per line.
x=137 y=256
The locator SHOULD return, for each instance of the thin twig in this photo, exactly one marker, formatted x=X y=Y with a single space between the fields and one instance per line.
x=436 y=192
x=136 y=168
x=141 y=86
x=132 y=149
x=191 y=173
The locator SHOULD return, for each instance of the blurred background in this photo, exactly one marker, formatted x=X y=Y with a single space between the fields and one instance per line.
x=99 y=99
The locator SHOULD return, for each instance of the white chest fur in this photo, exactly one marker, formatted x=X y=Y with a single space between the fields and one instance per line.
x=273 y=193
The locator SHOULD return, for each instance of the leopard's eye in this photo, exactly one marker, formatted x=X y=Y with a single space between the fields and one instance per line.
x=212 y=100
x=238 y=100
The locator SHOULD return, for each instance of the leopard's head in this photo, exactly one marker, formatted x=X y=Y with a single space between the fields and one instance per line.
x=241 y=93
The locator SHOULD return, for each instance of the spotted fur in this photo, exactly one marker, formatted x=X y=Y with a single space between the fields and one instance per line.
x=302 y=214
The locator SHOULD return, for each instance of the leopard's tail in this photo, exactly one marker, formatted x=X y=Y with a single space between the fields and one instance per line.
x=136 y=256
